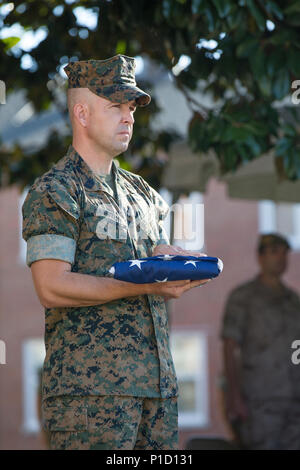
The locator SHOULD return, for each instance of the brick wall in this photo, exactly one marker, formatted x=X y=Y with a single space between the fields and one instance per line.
x=230 y=233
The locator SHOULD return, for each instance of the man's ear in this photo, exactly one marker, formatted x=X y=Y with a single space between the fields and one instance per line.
x=80 y=112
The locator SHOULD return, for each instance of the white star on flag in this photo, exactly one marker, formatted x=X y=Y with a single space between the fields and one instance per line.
x=137 y=262
x=167 y=257
x=191 y=262
x=164 y=280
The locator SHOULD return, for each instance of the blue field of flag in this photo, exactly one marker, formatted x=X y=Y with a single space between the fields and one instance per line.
x=163 y=268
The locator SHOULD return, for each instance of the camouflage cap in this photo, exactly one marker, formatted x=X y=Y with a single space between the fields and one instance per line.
x=113 y=79
x=271 y=239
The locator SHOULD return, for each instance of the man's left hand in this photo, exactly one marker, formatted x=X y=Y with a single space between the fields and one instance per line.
x=163 y=249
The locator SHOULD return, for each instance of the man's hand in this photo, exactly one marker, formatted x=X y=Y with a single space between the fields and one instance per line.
x=163 y=249
x=236 y=407
x=173 y=289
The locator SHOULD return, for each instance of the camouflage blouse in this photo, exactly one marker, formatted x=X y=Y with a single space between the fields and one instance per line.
x=117 y=348
x=264 y=322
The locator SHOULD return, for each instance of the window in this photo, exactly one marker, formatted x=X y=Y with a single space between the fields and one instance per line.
x=189 y=351
x=167 y=196
x=283 y=218
x=33 y=353
x=188 y=220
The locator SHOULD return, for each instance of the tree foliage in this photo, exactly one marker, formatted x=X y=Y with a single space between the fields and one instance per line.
x=245 y=51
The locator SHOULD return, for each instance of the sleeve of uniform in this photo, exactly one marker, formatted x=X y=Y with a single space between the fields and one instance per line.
x=50 y=223
x=234 y=319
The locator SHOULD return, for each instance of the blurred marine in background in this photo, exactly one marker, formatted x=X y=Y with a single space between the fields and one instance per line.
x=261 y=321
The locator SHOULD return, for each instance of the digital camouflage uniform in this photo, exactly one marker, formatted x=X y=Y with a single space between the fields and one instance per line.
x=265 y=322
x=112 y=78
x=108 y=376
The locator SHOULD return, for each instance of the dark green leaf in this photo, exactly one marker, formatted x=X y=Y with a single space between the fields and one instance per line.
x=259 y=18
x=282 y=146
x=272 y=7
x=196 y=6
x=223 y=7
x=289 y=130
x=210 y=19
x=281 y=84
x=294 y=8
x=265 y=85
x=258 y=62
x=246 y=48
x=254 y=145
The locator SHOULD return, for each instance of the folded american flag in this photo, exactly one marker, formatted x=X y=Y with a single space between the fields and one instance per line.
x=163 y=268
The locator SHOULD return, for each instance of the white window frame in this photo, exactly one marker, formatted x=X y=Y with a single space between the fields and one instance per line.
x=195 y=214
x=267 y=221
x=199 y=418
x=33 y=354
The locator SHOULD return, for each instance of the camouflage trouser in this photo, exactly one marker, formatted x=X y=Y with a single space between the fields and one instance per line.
x=111 y=422
x=272 y=424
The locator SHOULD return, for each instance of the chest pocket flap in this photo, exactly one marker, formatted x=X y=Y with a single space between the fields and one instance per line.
x=63 y=198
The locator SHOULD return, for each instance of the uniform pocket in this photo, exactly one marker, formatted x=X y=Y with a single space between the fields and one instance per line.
x=106 y=228
x=65 y=419
x=103 y=243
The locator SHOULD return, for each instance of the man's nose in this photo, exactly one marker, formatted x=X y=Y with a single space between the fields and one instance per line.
x=128 y=116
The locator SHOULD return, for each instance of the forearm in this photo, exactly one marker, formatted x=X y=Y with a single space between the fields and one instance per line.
x=80 y=290
x=232 y=368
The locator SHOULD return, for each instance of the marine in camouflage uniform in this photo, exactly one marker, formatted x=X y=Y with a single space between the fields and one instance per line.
x=108 y=376
x=264 y=322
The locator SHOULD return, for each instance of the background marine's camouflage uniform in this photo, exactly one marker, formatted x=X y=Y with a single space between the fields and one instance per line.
x=265 y=322
x=108 y=377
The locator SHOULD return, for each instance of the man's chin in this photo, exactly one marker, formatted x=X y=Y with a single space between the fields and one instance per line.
x=120 y=149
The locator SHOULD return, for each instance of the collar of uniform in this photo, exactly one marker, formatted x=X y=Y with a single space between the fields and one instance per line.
x=91 y=181
x=270 y=290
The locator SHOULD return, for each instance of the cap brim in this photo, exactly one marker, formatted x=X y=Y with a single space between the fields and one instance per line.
x=122 y=94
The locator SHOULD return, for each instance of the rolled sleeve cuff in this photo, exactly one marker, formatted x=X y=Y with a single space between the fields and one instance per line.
x=50 y=247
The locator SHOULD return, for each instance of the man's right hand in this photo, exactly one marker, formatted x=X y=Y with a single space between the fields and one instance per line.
x=173 y=289
x=236 y=408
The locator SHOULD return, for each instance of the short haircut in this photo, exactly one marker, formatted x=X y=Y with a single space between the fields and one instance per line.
x=271 y=239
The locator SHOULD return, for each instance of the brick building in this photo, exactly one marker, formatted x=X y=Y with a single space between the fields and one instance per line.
x=231 y=228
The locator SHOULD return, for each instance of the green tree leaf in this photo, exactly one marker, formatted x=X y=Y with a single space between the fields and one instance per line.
x=10 y=42
x=281 y=84
x=223 y=7
x=259 y=18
